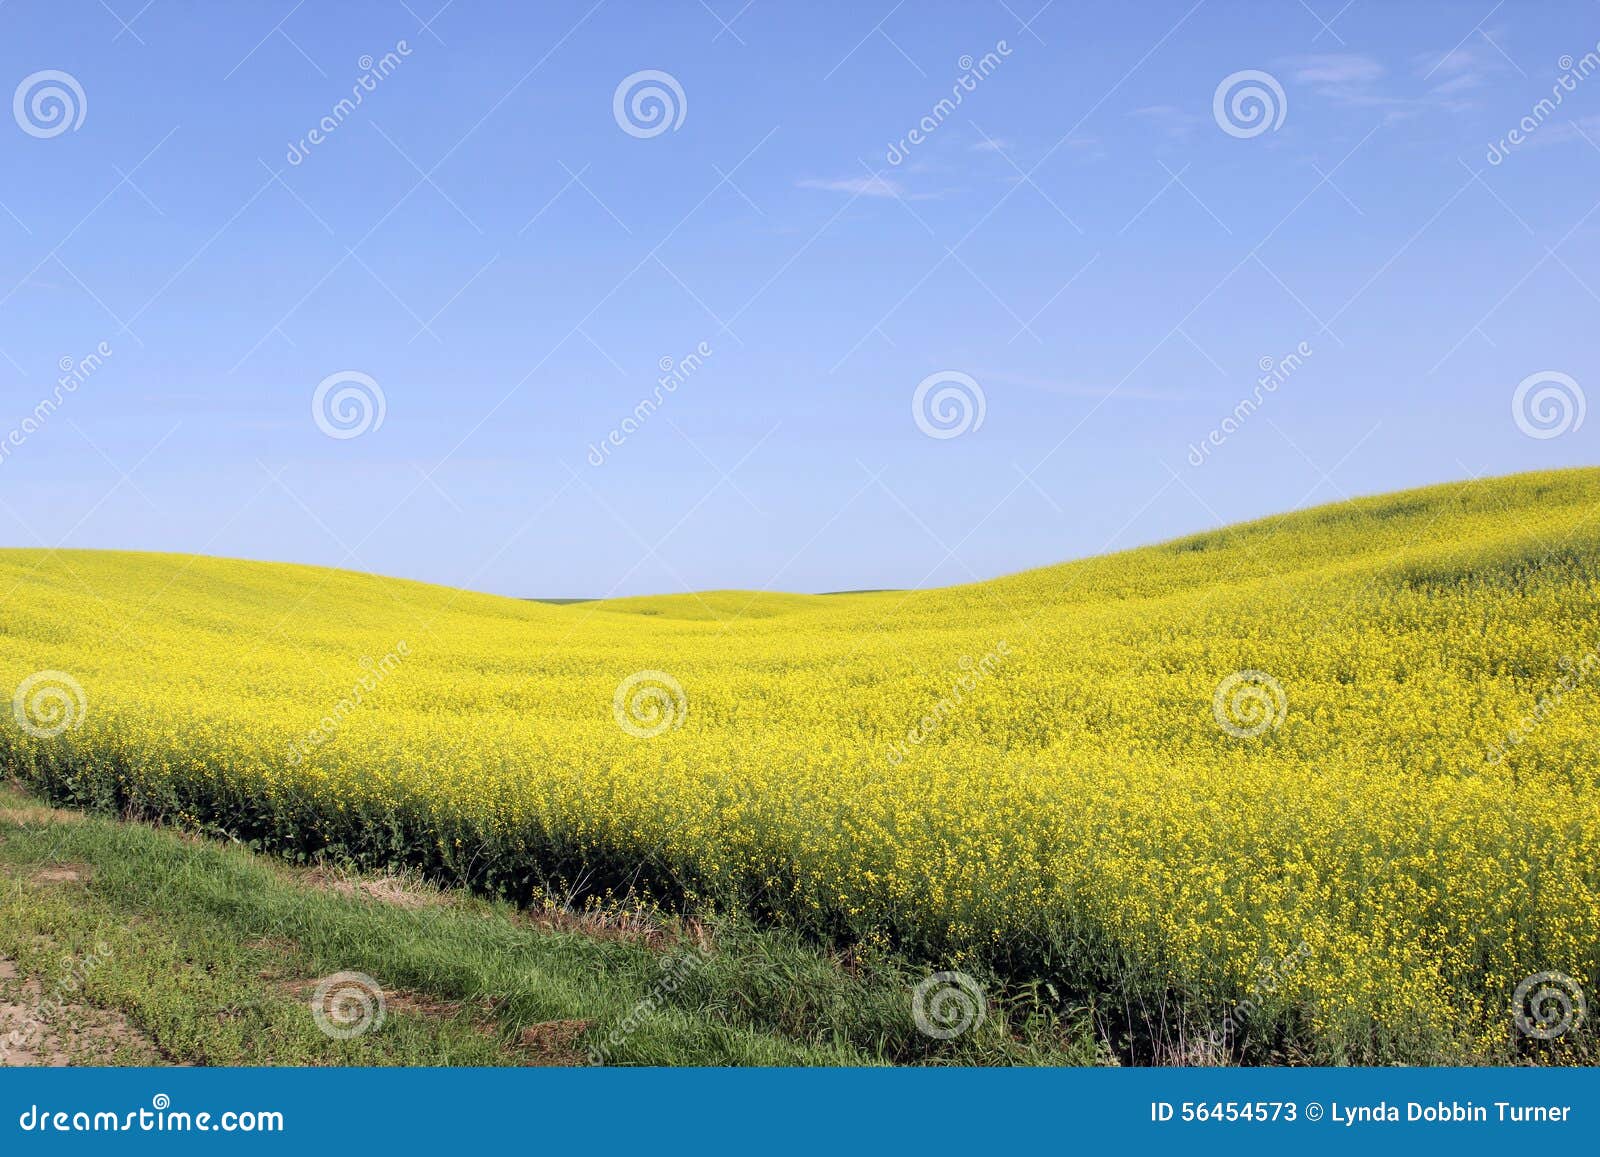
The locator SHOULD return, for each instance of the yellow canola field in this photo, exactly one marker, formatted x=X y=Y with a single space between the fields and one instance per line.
x=1328 y=779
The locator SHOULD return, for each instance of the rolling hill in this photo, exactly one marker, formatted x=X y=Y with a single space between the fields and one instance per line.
x=1322 y=785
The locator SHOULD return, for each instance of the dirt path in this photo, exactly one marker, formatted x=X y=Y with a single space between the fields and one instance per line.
x=47 y=1029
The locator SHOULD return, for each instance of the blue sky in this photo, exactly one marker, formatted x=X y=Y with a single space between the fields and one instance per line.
x=1081 y=238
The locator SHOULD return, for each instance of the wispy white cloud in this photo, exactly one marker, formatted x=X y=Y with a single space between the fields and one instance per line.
x=1470 y=58
x=1077 y=389
x=865 y=186
x=1457 y=60
x=1459 y=83
x=1577 y=131
x=1345 y=77
x=1460 y=71
x=1168 y=118
x=1449 y=78
x=1336 y=69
